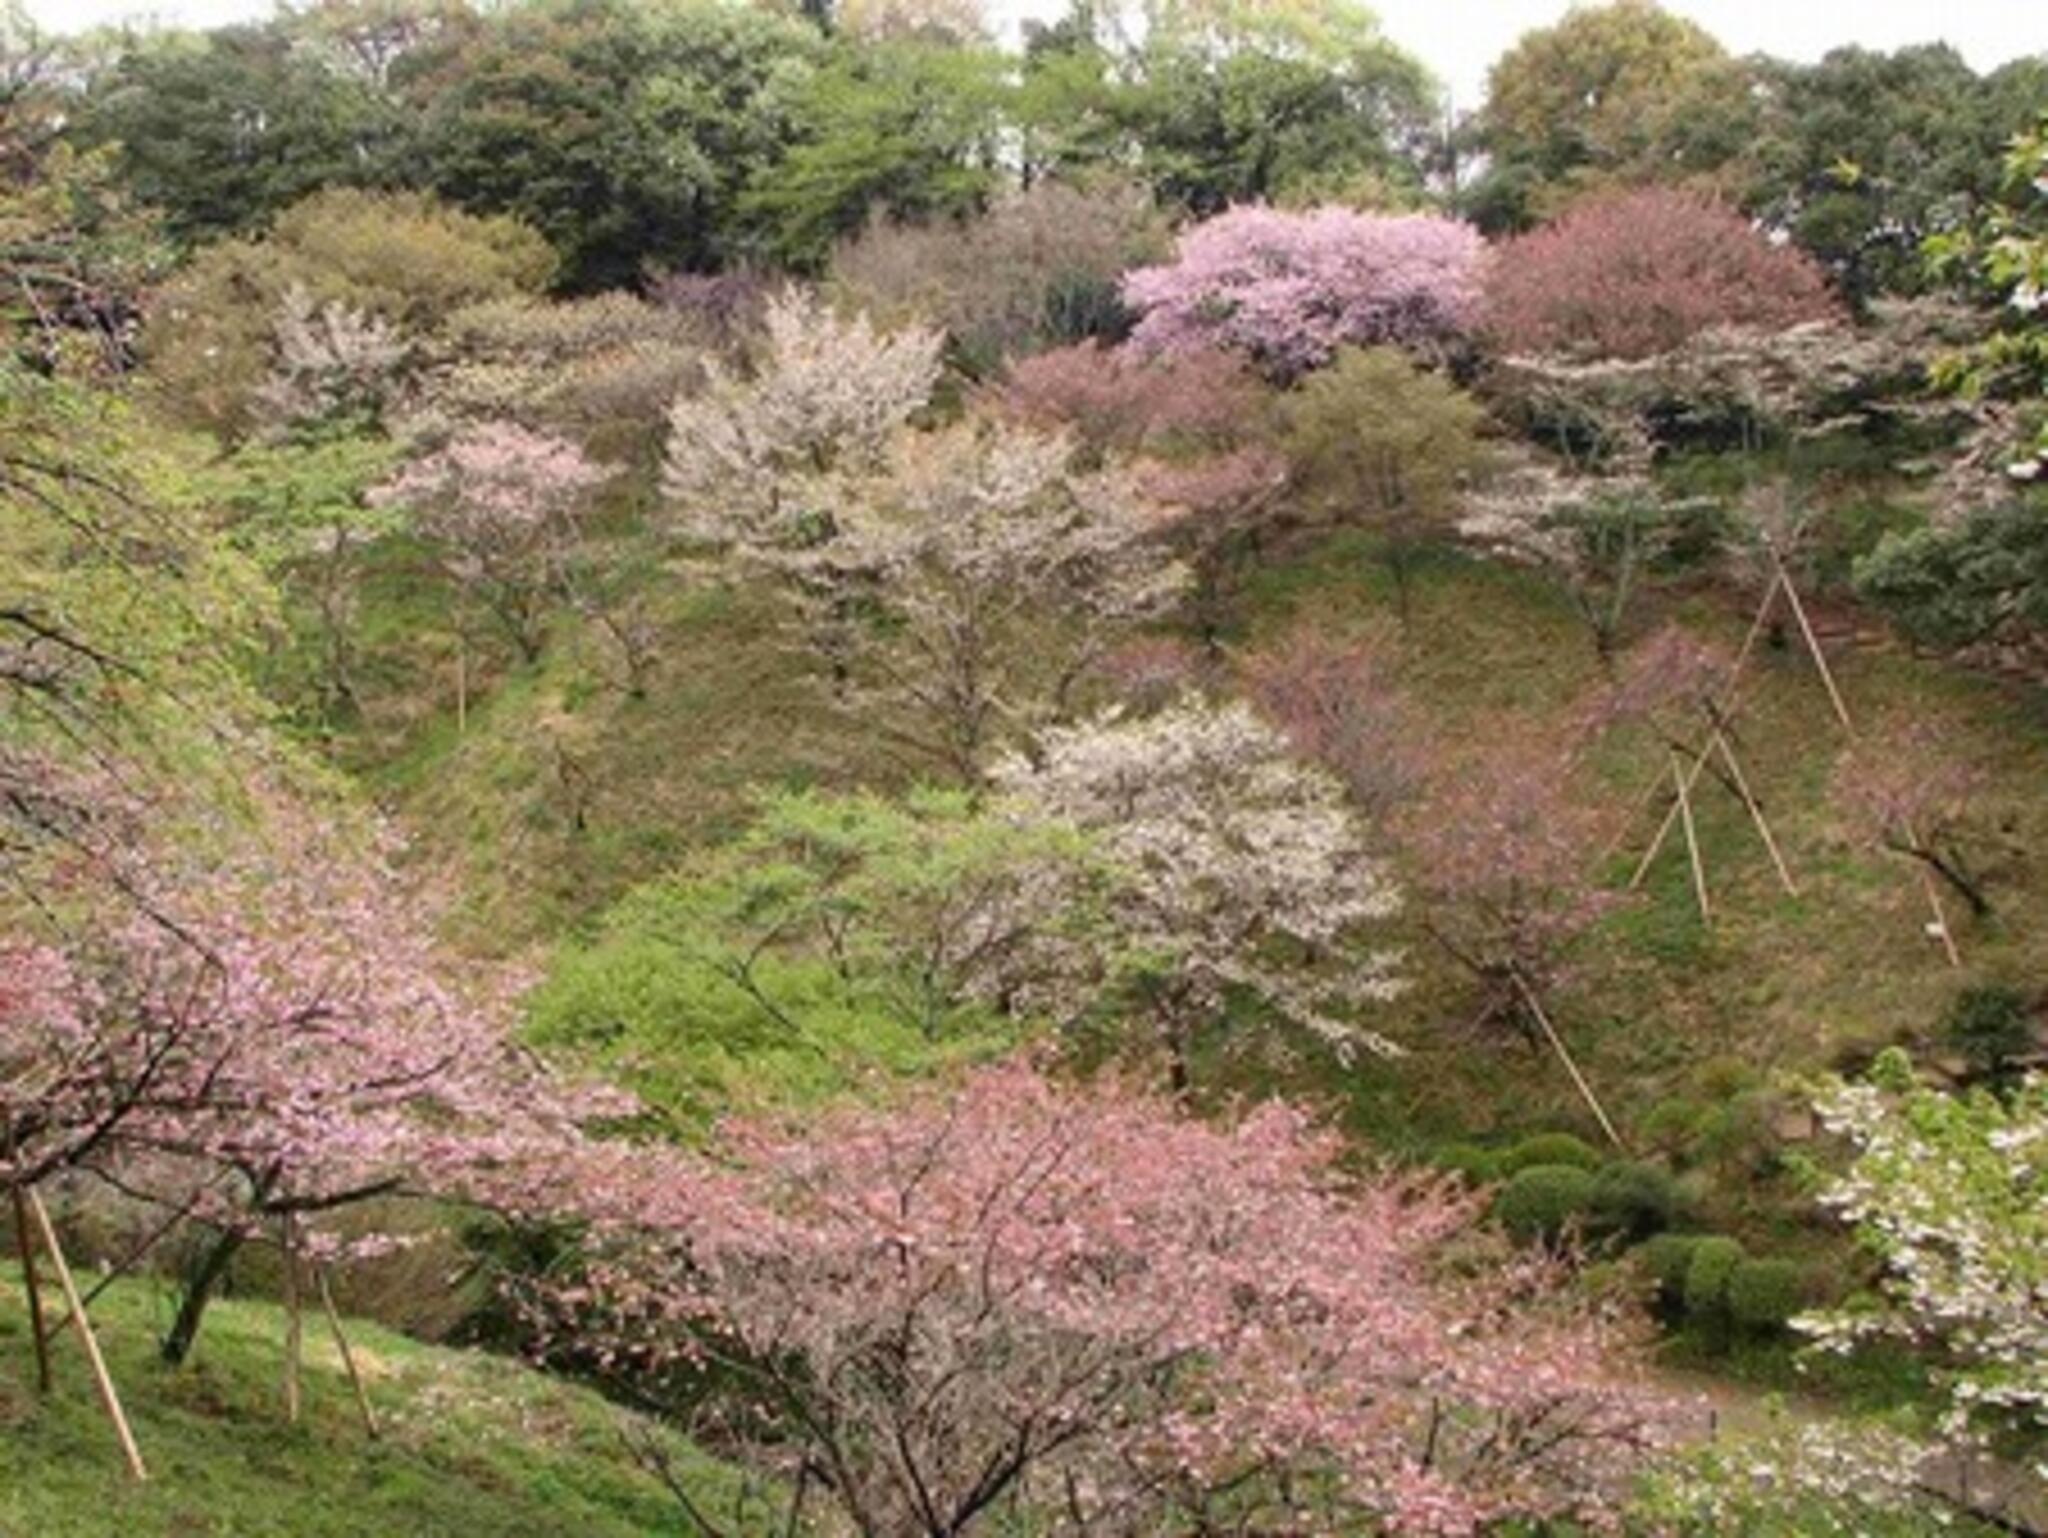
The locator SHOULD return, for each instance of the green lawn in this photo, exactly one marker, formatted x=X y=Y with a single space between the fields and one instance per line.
x=471 y=1445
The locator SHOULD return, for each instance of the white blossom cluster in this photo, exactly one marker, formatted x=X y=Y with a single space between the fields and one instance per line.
x=328 y=358
x=1952 y=1191
x=1241 y=867
x=826 y=391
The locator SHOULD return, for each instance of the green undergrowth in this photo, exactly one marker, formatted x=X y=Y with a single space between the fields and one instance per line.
x=470 y=1445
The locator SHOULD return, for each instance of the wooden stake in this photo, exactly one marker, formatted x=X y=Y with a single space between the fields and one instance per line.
x=293 y=1327
x=110 y=1401
x=1756 y=810
x=348 y=1357
x=24 y=1244
x=1820 y=660
x=1692 y=839
x=1933 y=891
x=1670 y=821
x=1557 y=1044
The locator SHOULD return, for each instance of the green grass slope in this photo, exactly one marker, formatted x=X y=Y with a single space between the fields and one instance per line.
x=470 y=1444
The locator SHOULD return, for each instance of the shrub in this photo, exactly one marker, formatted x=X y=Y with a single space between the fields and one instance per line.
x=1542 y=1200
x=1983 y=579
x=1289 y=289
x=1637 y=273
x=1634 y=1200
x=401 y=259
x=1666 y=1260
x=1707 y=1274
x=1038 y=269
x=1479 y=1166
x=1550 y=1148
x=1763 y=1295
x=1989 y=1026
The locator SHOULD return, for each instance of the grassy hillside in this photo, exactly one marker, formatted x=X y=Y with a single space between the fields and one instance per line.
x=1695 y=1038
x=471 y=1445
x=1687 y=1031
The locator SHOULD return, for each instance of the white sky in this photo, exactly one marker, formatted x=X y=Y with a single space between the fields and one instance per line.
x=1460 y=38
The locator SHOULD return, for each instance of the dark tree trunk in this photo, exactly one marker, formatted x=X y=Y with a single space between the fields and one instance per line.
x=200 y=1282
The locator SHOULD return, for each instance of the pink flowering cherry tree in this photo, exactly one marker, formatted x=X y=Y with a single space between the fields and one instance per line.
x=1289 y=289
x=1079 y=1309
x=501 y=502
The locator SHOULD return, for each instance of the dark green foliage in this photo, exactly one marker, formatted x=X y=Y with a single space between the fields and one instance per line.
x=1707 y=1274
x=1665 y=1260
x=1865 y=153
x=1550 y=1148
x=1982 y=579
x=1253 y=125
x=1479 y=1166
x=623 y=132
x=1990 y=1026
x=1542 y=1201
x=223 y=132
x=1763 y=1295
x=1633 y=1200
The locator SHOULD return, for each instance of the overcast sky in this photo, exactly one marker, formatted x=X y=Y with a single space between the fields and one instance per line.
x=1459 y=38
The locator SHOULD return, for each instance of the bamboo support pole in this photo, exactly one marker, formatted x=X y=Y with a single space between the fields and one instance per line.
x=1692 y=840
x=294 y=1332
x=1934 y=902
x=1820 y=660
x=1756 y=811
x=1564 y=1056
x=348 y=1357
x=110 y=1400
x=25 y=1245
x=1671 y=813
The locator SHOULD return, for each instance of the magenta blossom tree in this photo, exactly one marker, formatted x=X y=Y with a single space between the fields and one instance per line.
x=1289 y=289
x=1075 y=1310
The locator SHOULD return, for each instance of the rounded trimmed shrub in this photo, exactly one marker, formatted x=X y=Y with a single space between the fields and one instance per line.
x=1707 y=1274
x=1763 y=1295
x=1540 y=1201
x=1635 y=1200
x=1665 y=1260
x=1479 y=1166
x=1550 y=1148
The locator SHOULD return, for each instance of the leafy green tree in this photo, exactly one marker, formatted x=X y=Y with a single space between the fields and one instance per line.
x=623 y=132
x=1255 y=123
x=905 y=130
x=1376 y=441
x=224 y=129
x=75 y=249
x=1624 y=93
x=1865 y=154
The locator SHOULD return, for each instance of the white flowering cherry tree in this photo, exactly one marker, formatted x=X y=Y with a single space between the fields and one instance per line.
x=1243 y=870
x=826 y=391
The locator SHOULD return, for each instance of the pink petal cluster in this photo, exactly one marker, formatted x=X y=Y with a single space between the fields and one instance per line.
x=1289 y=289
x=1113 y=1304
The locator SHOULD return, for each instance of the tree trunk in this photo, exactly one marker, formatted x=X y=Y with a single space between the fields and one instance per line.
x=200 y=1282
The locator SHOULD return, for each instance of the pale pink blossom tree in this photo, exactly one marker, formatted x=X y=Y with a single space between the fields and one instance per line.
x=501 y=502
x=1079 y=1310
x=275 y=1038
x=1289 y=289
